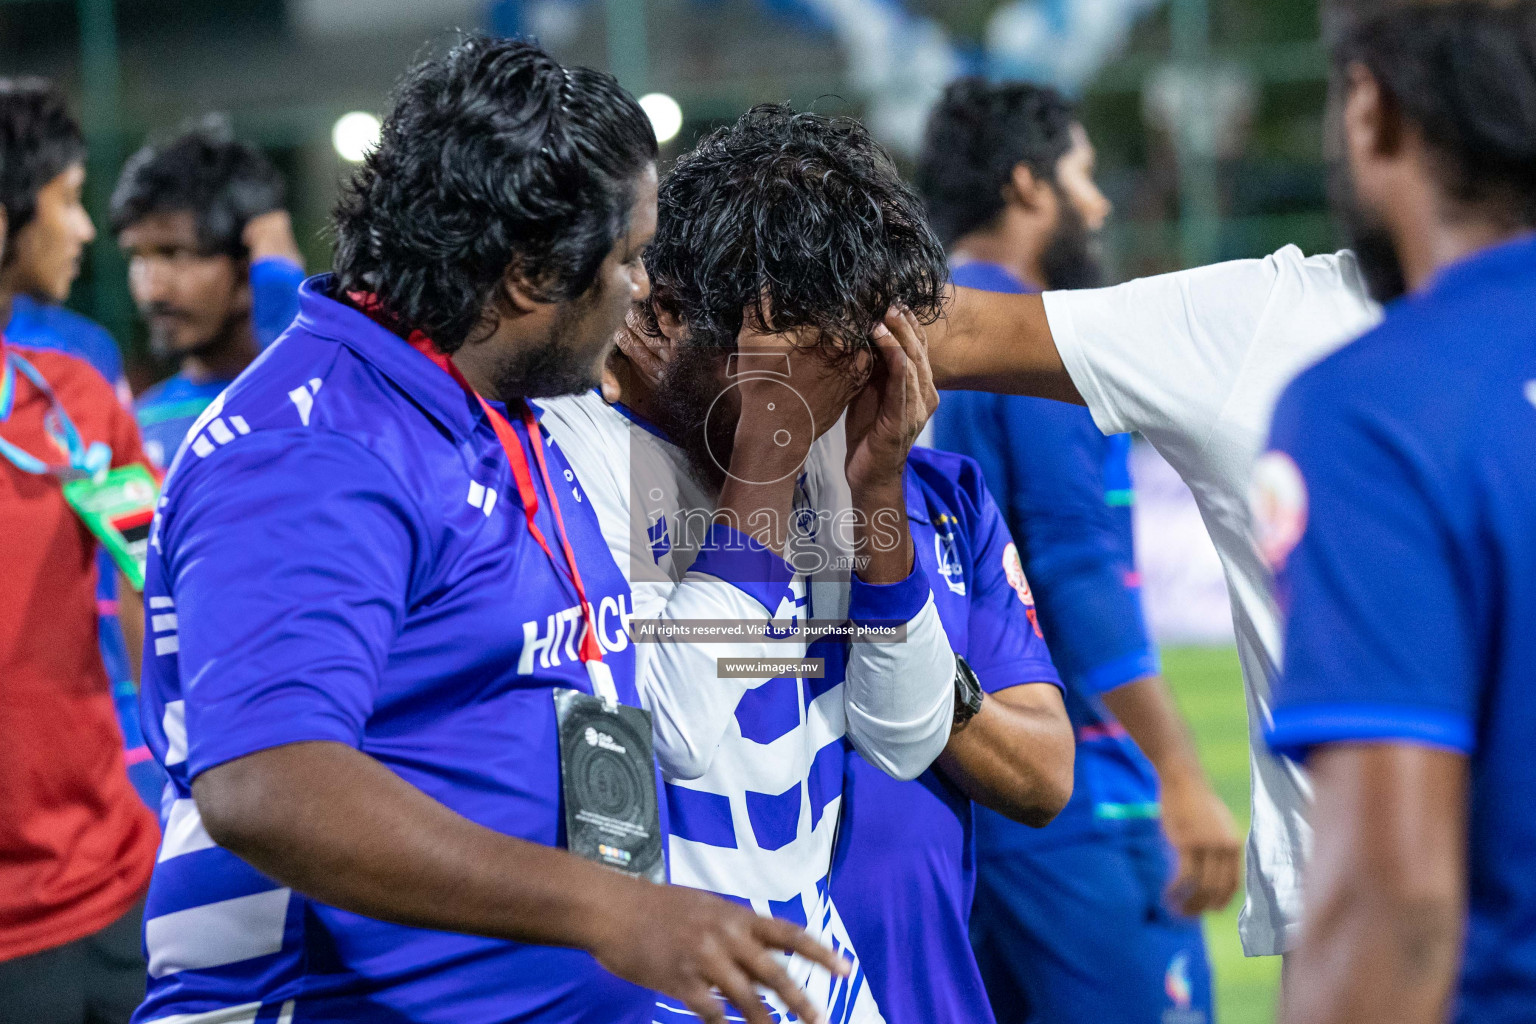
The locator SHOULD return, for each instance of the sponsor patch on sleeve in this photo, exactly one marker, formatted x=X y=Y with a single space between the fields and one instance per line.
x=1277 y=498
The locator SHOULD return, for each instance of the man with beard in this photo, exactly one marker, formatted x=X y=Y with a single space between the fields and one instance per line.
x=1071 y=921
x=375 y=614
x=212 y=265
x=1193 y=361
x=1398 y=506
x=782 y=243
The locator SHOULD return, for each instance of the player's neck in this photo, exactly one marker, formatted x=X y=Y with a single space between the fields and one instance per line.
x=1008 y=249
x=1430 y=229
x=11 y=285
x=1427 y=244
x=226 y=357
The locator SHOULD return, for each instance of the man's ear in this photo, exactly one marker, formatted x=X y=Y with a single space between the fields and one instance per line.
x=667 y=320
x=1024 y=188
x=519 y=297
x=1373 y=123
x=247 y=294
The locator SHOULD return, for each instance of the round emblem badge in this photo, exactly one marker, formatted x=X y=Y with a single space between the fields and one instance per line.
x=1014 y=570
x=1277 y=498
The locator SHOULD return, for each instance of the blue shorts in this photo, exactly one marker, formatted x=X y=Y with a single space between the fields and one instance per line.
x=1079 y=932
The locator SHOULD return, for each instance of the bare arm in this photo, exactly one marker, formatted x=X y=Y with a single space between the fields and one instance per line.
x=1386 y=888
x=130 y=615
x=270 y=236
x=1016 y=755
x=337 y=825
x=1197 y=823
x=991 y=341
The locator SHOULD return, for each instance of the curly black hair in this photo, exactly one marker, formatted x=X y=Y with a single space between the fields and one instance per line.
x=793 y=220
x=204 y=171
x=39 y=140
x=495 y=160
x=979 y=132
x=1465 y=74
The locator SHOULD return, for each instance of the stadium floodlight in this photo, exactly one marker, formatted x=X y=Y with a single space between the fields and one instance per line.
x=355 y=134
x=666 y=116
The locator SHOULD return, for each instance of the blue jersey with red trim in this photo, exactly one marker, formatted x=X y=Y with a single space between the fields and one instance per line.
x=1065 y=492
x=1399 y=504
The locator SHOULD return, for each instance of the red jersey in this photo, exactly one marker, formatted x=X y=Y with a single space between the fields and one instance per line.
x=76 y=843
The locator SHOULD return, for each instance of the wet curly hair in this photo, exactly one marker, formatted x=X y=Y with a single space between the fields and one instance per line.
x=791 y=220
x=495 y=160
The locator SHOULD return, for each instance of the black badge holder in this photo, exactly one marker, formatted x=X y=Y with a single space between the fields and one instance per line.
x=608 y=780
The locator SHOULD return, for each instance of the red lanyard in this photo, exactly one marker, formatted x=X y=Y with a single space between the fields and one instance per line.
x=590 y=650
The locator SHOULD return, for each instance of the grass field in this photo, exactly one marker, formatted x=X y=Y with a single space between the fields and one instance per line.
x=1209 y=687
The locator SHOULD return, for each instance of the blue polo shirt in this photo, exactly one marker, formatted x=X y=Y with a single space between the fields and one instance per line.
x=1400 y=502
x=167 y=410
x=340 y=555
x=905 y=869
x=1066 y=494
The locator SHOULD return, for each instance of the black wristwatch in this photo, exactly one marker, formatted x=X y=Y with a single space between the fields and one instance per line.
x=968 y=693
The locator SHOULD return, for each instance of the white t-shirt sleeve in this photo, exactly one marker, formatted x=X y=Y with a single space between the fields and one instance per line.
x=1161 y=354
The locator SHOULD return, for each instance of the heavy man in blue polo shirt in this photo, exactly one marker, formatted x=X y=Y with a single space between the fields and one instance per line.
x=1398 y=502
x=359 y=548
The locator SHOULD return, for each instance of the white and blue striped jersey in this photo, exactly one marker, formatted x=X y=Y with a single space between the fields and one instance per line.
x=754 y=767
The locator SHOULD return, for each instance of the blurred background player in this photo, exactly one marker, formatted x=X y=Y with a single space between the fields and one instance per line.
x=1399 y=507
x=76 y=843
x=1086 y=918
x=47 y=239
x=212 y=266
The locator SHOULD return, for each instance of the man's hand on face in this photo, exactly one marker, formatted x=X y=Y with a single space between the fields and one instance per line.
x=640 y=353
x=884 y=420
x=788 y=390
x=690 y=945
x=791 y=390
x=886 y=417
